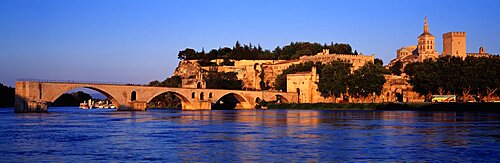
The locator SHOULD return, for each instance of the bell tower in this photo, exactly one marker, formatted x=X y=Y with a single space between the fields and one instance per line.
x=426 y=44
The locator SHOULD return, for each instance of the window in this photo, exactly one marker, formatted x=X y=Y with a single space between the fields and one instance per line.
x=210 y=95
x=192 y=95
x=201 y=96
x=133 y=96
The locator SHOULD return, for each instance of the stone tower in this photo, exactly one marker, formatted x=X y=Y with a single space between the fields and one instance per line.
x=426 y=44
x=454 y=44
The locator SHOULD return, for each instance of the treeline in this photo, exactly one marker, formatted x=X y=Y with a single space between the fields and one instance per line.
x=7 y=96
x=72 y=99
x=478 y=76
x=336 y=78
x=251 y=52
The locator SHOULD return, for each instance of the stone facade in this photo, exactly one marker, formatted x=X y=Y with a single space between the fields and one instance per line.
x=454 y=44
x=249 y=71
x=271 y=71
x=407 y=51
x=306 y=87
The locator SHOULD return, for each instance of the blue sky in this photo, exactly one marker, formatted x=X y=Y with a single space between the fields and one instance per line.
x=136 y=41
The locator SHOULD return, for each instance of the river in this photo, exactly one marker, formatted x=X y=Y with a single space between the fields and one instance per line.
x=68 y=134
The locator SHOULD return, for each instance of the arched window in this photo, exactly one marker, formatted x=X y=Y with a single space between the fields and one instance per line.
x=198 y=85
x=193 y=95
x=133 y=96
x=201 y=96
x=210 y=95
x=257 y=100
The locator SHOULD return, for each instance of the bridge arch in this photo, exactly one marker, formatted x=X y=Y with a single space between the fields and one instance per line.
x=100 y=90
x=186 y=104
x=281 y=98
x=243 y=101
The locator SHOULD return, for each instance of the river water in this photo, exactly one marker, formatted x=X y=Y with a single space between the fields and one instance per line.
x=67 y=134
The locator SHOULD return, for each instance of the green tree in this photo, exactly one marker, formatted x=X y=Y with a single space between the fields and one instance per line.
x=334 y=78
x=396 y=68
x=378 y=61
x=174 y=81
x=453 y=75
x=223 y=80
x=187 y=53
x=165 y=100
x=7 y=96
x=367 y=80
x=423 y=77
x=262 y=83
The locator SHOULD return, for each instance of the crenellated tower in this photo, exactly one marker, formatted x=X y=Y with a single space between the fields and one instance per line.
x=454 y=44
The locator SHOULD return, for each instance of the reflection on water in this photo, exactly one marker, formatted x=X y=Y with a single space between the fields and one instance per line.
x=70 y=134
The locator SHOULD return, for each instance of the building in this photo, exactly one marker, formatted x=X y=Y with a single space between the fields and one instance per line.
x=454 y=44
x=426 y=44
x=252 y=72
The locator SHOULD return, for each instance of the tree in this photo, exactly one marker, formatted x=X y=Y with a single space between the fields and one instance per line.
x=65 y=100
x=72 y=99
x=396 y=68
x=334 y=78
x=453 y=75
x=378 y=61
x=187 y=53
x=166 y=100
x=223 y=80
x=262 y=83
x=423 y=77
x=367 y=80
x=174 y=81
x=7 y=96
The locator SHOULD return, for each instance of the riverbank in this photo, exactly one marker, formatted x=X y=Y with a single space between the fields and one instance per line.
x=391 y=106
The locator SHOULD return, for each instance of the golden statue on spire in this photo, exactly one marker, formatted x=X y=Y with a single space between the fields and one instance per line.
x=426 y=25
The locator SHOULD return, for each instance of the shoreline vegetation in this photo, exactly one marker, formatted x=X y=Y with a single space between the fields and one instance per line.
x=486 y=106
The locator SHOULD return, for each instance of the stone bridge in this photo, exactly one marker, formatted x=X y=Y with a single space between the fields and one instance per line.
x=35 y=96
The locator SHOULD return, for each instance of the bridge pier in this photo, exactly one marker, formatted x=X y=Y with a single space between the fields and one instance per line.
x=134 y=106
x=23 y=106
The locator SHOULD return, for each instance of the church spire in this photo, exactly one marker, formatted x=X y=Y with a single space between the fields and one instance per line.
x=426 y=25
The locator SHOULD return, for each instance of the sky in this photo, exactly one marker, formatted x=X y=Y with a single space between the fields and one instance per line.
x=137 y=41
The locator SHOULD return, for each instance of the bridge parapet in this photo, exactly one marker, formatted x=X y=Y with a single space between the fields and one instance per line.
x=74 y=82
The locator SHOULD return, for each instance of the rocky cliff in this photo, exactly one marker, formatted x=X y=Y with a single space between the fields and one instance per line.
x=187 y=69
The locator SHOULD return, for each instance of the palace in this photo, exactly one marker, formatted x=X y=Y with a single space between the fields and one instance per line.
x=454 y=44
